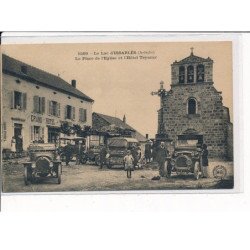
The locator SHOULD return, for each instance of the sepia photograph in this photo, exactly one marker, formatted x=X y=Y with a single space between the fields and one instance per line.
x=117 y=116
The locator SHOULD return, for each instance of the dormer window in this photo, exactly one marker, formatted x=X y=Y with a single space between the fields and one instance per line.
x=190 y=74
x=24 y=69
x=200 y=73
x=181 y=74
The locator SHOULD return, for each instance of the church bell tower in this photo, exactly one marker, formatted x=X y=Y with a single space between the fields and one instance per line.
x=192 y=70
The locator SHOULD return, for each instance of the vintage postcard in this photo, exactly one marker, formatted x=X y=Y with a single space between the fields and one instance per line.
x=119 y=115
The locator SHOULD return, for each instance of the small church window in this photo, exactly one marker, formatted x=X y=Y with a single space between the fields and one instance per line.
x=192 y=106
x=181 y=74
x=200 y=73
x=190 y=74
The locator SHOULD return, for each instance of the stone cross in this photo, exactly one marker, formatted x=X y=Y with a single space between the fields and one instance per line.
x=161 y=91
x=192 y=50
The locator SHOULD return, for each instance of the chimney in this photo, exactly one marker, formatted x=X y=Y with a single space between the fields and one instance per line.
x=146 y=136
x=73 y=83
x=124 y=119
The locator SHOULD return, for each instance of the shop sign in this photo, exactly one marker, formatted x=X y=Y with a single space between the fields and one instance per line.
x=35 y=118
x=50 y=121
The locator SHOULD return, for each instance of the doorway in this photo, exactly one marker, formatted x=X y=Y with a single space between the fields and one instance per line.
x=17 y=130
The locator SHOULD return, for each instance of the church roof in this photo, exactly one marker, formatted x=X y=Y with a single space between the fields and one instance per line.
x=193 y=59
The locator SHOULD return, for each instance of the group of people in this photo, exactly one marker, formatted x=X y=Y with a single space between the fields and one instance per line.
x=160 y=155
x=17 y=144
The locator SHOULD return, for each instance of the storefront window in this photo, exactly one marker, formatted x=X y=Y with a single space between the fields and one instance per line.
x=53 y=134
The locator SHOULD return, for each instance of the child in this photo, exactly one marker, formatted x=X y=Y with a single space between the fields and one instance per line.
x=128 y=163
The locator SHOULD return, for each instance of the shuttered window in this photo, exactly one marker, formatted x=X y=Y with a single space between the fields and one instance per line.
x=82 y=115
x=18 y=100
x=39 y=104
x=70 y=112
x=54 y=108
x=36 y=134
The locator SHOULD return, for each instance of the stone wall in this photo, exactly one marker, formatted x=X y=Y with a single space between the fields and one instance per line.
x=208 y=121
x=230 y=145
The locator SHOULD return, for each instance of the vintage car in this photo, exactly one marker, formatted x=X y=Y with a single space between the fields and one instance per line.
x=76 y=143
x=186 y=158
x=44 y=162
x=118 y=147
x=88 y=149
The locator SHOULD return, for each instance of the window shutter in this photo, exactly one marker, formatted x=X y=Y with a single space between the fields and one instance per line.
x=12 y=99
x=41 y=133
x=31 y=133
x=84 y=115
x=4 y=130
x=73 y=113
x=36 y=103
x=24 y=101
x=43 y=105
x=48 y=107
x=80 y=114
x=65 y=112
x=58 y=110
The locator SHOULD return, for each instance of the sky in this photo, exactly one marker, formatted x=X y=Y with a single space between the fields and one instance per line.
x=123 y=86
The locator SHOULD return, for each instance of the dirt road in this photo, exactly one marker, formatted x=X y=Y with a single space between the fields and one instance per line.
x=90 y=178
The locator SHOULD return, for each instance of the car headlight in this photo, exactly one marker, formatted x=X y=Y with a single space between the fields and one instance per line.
x=175 y=154
x=172 y=162
x=192 y=154
x=33 y=165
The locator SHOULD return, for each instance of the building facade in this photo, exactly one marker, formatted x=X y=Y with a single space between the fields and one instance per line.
x=36 y=103
x=193 y=108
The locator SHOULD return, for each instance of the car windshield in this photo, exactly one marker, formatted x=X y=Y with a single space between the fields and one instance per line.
x=184 y=143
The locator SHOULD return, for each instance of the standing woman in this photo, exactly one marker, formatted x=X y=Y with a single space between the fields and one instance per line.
x=13 y=145
x=204 y=161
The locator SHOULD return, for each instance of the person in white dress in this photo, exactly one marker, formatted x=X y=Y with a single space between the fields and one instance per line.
x=13 y=145
x=128 y=163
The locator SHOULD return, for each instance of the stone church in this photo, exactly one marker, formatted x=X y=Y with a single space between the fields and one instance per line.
x=193 y=109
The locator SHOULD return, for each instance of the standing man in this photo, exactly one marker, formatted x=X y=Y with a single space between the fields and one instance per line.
x=148 y=153
x=78 y=153
x=19 y=145
x=103 y=153
x=134 y=153
x=204 y=159
x=161 y=156
x=68 y=152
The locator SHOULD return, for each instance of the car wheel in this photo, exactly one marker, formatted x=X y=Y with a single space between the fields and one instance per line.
x=109 y=166
x=84 y=160
x=97 y=161
x=59 y=173
x=197 y=170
